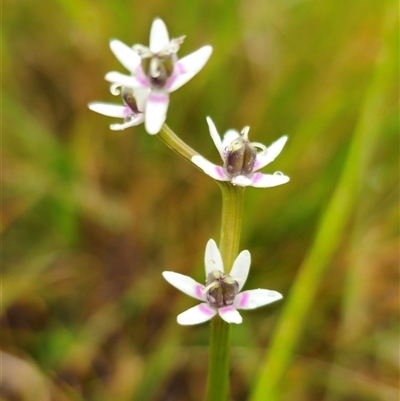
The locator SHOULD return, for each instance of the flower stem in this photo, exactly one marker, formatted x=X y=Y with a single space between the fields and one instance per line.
x=176 y=144
x=218 y=371
x=231 y=223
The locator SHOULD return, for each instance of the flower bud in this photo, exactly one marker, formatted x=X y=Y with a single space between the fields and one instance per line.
x=241 y=155
x=221 y=289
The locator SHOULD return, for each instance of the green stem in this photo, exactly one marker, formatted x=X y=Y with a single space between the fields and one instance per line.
x=176 y=144
x=218 y=371
x=232 y=211
x=231 y=222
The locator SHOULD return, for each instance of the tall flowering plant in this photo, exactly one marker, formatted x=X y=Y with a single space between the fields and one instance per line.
x=154 y=72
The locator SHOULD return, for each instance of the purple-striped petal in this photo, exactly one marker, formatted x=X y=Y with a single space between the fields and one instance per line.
x=255 y=298
x=198 y=314
x=185 y=284
x=187 y=67
x=214 y=171
x=230 y=315
x=260 y=180
x=156 y=111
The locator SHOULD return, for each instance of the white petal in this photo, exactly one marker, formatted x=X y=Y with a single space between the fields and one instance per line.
x=159 y=37
x=214 y=171
x=241 y=267
x=198 y=314
x=125 y=55
x=138 y=119
x=212 y=258
x=187 y=67
x=141 y=96
x=110 y=110
x=156 y=111
x=272 y=152
x=185 y=284
x=124 y=80
x=230 y=315
x=229 y=137
x=255 y=298
x=215 y=137
x=268 y=180
x=241 y=180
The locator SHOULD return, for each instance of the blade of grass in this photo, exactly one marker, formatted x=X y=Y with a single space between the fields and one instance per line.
x=332 y=226
x=356 y=319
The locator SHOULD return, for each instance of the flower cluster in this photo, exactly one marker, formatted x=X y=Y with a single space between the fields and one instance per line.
x=155 y=72
x=221 y=295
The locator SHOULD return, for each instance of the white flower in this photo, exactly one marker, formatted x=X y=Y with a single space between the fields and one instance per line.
x=131 y=111
x=221 y=295
x=241 y=159
x=157 y=69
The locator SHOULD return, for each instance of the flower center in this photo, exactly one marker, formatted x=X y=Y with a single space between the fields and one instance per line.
x=240 y=156
x=221 y=289
x=159 y=67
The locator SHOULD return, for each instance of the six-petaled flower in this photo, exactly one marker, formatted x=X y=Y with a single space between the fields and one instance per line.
x=242 y=160
x=156 y=70
x=221 y=294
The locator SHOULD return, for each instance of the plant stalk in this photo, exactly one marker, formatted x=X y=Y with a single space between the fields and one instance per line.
x=231 y=222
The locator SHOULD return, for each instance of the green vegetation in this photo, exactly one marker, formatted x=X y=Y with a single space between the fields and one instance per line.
x=91 y=217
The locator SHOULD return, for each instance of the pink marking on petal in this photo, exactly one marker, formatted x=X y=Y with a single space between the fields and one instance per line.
x=158 y=98
x=180 y=69
x=256 y=165
x=170 y=82
x=142 y=78
x=244 y=297
x=143 y=82
x=198 y=292
x=204 y=309
x=127 y=111
x=220 y=172
x=257 y=177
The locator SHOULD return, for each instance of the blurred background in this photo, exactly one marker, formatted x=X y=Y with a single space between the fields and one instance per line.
x=91 y=217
